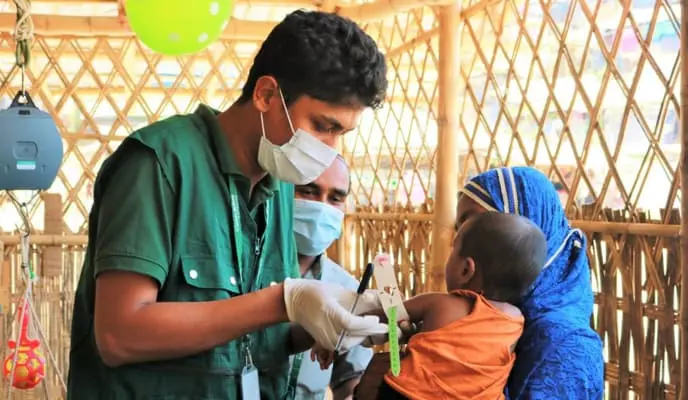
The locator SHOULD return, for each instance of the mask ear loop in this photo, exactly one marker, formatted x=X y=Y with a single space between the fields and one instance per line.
x=262 y=125
x=286 y=111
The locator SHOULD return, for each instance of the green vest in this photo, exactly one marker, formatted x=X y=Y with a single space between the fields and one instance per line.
x=196 y=162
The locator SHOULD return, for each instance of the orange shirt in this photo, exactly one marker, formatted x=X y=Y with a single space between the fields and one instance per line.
x=469 y=358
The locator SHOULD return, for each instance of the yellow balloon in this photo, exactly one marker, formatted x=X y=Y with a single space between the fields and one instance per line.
x=177 y=27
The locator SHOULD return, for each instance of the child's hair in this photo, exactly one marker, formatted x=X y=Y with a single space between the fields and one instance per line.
x=509 y=252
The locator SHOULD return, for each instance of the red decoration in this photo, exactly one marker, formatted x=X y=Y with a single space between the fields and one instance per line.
x=29 y=369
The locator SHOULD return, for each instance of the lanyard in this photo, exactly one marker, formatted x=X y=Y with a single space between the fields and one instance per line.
x=298 y=358
x=239 y=235
x=294 y=374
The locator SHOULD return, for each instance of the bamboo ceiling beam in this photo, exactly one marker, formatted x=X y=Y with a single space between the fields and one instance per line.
x=39 y=58
x=79 y=2
x=385 y=8
x=290 y=3
x=60 y=25
x=118 y=91
x=179 y=95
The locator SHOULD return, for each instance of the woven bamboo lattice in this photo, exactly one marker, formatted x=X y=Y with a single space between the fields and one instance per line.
x=584 y=90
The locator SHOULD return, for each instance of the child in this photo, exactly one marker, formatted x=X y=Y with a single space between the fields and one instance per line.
x=465 y=349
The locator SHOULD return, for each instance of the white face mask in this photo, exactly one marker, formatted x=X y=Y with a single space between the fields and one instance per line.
x=316 y=226
x=299 y=161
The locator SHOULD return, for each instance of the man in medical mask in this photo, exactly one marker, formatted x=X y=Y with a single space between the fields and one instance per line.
x=185 y=290
x=318 y=219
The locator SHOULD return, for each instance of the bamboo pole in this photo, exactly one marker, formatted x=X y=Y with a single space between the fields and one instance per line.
x=423 y=37
x=62 y=25
x=47 y=240
x=478 y=7
x=627 y=228
x=683 y=388
x=446 y=182
x=603 y=227
x=79 y=2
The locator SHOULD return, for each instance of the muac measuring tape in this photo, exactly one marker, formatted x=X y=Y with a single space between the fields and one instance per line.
x=393 y=334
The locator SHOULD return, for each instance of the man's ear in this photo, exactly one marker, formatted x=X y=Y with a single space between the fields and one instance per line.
x=265 y=92
x=468 y=271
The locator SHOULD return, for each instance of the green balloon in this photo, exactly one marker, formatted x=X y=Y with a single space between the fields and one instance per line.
x=176 y=27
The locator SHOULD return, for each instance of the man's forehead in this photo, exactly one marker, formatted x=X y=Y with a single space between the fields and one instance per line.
x=335 y=177
x=345 y=116
x=345 y=120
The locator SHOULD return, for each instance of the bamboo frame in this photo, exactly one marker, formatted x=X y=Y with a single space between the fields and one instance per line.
x=497 y=41
x=683 y=391
x=382 y=9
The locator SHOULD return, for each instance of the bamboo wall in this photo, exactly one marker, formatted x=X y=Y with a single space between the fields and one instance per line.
x=584 y=90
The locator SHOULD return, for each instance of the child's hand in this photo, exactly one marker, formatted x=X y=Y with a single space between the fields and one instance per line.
x=406 y=330
x=323 y=356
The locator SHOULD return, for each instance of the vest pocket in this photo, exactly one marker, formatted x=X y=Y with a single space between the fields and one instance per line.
x=204 y=278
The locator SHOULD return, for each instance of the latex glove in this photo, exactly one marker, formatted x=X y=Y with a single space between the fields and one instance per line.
x=367 y=302
x=322 y=309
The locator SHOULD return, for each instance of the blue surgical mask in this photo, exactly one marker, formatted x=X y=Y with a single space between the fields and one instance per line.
x=316 y=226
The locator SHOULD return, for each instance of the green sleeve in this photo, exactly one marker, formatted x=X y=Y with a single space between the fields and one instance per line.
x=135 y=215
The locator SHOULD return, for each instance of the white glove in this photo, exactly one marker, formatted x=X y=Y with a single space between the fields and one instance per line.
x=322 y=309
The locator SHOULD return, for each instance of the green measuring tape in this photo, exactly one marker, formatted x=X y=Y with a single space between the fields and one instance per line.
x=394 y=361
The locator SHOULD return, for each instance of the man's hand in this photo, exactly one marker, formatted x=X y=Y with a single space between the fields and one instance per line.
x=322 y=309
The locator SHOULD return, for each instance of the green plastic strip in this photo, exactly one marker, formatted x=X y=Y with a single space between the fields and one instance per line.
x=394 y=361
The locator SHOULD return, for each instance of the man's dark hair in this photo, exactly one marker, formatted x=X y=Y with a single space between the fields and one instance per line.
x=324 y=56
x=509 y=252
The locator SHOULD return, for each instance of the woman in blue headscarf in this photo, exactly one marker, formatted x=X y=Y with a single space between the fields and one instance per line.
x=559 y=355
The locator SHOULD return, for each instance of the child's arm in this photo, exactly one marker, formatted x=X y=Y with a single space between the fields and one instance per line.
x=417 y=307
x=299 y=339
x=420 y=307
x=434 y=310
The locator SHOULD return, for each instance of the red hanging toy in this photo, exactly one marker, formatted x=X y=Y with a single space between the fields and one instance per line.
x=29 y=369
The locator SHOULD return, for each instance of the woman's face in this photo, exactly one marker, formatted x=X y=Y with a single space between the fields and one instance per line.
x=465 y=209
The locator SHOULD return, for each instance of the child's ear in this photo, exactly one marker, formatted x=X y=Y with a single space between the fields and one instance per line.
x=468 y=269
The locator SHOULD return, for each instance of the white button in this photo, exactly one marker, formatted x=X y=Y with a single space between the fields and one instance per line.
x=193 y=274
x=273 y=283
x=232 y=280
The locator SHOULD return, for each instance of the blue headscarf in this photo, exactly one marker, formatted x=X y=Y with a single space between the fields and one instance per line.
x=559 y=355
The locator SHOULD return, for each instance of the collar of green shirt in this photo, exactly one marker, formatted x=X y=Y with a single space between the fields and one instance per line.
x=224 y=154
